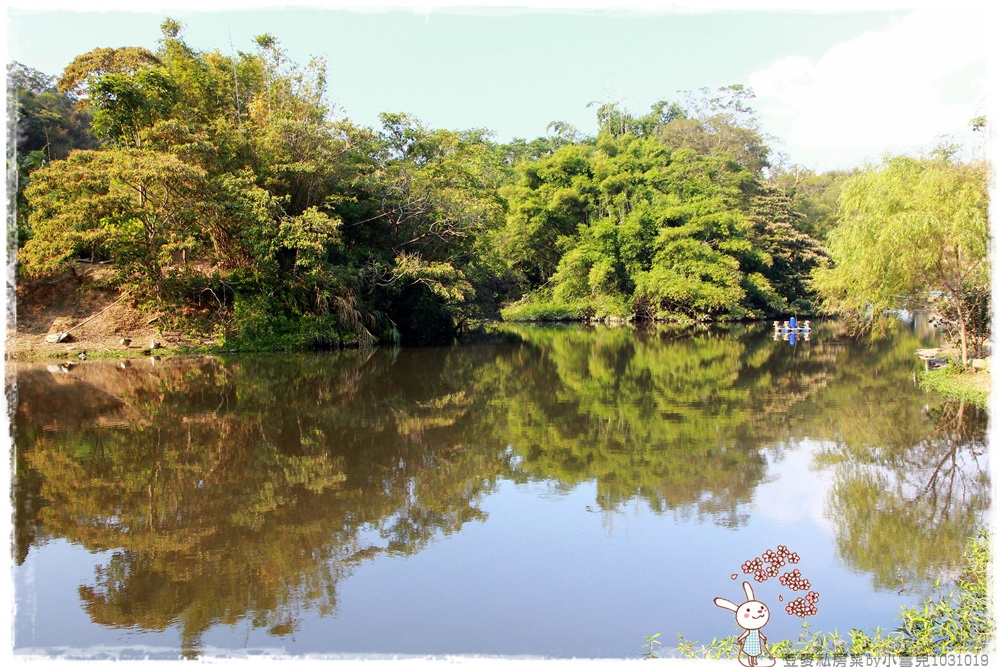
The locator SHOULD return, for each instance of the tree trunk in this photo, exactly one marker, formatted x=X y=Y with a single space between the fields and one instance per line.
x=962 y=331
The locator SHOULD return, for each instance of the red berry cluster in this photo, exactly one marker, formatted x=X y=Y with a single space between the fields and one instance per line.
x=794 y=580
x=803 y=607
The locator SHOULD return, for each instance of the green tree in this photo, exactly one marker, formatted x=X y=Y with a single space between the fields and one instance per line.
x=719 y=122
x=137 y=207
x=793 y=253
x=48 y=125
x=911 y=229
x=88 y=68
x=663 y=216
x=814 y=196
x=126 y=104
x=240 y=188
x=427 y=207
x=638 y=230
x=703 y=242
x=552 y=197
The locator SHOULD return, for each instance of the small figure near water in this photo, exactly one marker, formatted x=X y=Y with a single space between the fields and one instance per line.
x=752 y=615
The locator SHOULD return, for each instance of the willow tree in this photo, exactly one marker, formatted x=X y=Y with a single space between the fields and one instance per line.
x=913 y=232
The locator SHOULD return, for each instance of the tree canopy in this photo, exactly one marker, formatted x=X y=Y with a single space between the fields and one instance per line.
x=912 y=231
x=223 y=187
x=631 y=227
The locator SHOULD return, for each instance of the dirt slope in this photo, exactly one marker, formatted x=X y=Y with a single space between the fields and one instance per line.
x=65 y=303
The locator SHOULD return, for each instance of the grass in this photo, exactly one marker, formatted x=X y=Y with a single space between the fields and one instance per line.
x=533 y=311
x=960 y=622
x=543 y=306
x=958 y=382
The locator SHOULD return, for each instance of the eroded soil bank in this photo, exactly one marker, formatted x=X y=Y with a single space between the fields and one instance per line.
x=96 y=317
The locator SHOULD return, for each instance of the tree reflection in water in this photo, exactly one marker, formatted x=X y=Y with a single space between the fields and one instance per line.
x=903 y=510
x=248 y=488
x=241 y=489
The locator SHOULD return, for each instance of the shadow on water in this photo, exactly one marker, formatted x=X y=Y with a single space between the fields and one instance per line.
x=249 y=488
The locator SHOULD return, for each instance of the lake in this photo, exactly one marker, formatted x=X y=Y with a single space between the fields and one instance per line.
x=559 y=491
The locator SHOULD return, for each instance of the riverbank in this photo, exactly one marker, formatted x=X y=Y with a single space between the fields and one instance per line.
x=968 y=385
x=96 y=318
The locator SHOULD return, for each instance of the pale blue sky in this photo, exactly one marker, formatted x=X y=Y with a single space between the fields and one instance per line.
x=825 y=90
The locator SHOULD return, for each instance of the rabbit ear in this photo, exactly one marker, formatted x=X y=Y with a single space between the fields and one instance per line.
x=749 y=591
x=725 y=604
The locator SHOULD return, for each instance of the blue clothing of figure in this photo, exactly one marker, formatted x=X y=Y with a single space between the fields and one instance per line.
x=751 y=645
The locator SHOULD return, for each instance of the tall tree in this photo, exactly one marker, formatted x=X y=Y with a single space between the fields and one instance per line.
x=551 y=198
x=48 y=126
x=814 y=196
x=911 y=229
x=136 y=207
x=89 y=67
x=793 y=253
x=431 y=201
x=720 y=122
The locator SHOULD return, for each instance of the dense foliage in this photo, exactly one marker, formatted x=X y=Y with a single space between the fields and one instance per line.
x=665 y=216
x=48 y=127
x=223 y=189
x=223 y=186
x=914 y=233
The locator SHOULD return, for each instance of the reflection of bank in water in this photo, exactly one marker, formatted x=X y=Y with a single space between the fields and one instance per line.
x=917 y=321
x=791 y=331
x=295 y=493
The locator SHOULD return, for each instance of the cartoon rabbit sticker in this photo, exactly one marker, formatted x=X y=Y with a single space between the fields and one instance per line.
x=752 y=615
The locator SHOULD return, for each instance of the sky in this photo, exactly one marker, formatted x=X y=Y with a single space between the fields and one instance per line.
x=836 y=87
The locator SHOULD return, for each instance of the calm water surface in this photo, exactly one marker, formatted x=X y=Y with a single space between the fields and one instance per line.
x=558 y=491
